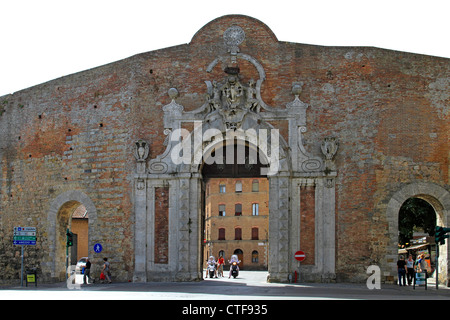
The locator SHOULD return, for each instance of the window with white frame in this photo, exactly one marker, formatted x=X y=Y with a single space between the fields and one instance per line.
x=255 y=209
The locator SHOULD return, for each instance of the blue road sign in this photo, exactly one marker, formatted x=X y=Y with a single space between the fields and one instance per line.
x=24 y=236
x=98 y=248
x=24 y=242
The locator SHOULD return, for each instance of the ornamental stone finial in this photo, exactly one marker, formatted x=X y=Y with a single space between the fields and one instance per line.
x=173 y=93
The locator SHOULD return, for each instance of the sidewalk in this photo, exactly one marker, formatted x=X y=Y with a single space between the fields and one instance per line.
x=248 y=286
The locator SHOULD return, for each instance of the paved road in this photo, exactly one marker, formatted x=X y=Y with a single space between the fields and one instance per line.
x=248 y=286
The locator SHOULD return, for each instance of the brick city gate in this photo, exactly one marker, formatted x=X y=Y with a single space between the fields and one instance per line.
x=347 y=134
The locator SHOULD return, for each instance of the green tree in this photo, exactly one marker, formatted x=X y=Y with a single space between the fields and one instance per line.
x=415 y=214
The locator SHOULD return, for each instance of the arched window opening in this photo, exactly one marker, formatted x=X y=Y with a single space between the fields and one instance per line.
x=255 y=256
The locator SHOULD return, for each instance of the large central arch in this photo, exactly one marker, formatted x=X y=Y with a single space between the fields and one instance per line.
x=277 y=171
x=249 y=164
x=168 y=190
x=168 y=202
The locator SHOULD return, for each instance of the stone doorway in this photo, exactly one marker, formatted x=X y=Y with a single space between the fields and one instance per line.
x=169 y=207
x=235 y=212
x=64 y=210
x=439 y=199
x=168 y=190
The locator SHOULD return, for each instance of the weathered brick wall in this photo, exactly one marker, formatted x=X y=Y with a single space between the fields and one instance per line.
x=307 y=223
x=388 y=109
x=72 y=133
x=161 y=225
x=390 y=112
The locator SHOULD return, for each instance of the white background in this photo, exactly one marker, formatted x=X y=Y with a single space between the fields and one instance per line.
x=41 y=40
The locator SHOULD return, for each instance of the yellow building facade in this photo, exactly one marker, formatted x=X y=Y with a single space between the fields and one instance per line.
x=237 y=220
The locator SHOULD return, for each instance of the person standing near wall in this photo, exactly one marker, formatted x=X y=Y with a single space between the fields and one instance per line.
x=401 y=264
x=87 y=272
x=410 y=269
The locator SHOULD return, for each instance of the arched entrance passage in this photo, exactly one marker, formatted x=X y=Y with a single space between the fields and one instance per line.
x=236 y=199
x=439 y=199
x=60 y=217
x=416 y=218
x=168 y=191
x=169 y=208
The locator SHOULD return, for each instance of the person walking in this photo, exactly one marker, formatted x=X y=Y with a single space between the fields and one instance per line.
x=422 y=263
x=107 y=270
x=401 y=271
x=87 y=272
x=410 y=269
x=220 y=264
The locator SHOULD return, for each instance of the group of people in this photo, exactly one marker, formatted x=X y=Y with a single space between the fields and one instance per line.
x=407 y=269
x=104 y=275
x=219 y=265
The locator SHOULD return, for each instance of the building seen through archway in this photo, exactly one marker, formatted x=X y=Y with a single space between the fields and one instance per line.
x=80 y=228
x=237 y=220
x=236 y=207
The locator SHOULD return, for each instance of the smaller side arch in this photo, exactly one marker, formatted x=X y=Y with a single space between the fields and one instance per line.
x=436 y=196
x=65 y=200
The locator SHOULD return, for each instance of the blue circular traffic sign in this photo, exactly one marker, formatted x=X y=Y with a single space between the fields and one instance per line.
x=98 y=248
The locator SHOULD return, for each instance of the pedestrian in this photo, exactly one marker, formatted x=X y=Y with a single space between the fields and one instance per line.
x=422 y=264
x=220 y=264
x=87 y=272
x=410 y=269
x=401 y=271
x=107 y=270
x=215 y=268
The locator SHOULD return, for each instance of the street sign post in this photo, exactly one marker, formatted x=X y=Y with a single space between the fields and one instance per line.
x=299 y=256
x=24 y=236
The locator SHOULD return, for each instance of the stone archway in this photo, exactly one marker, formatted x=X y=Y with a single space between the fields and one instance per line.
x=59 y=217
x=168 y=193
x=168 y=199
x=436 y=196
